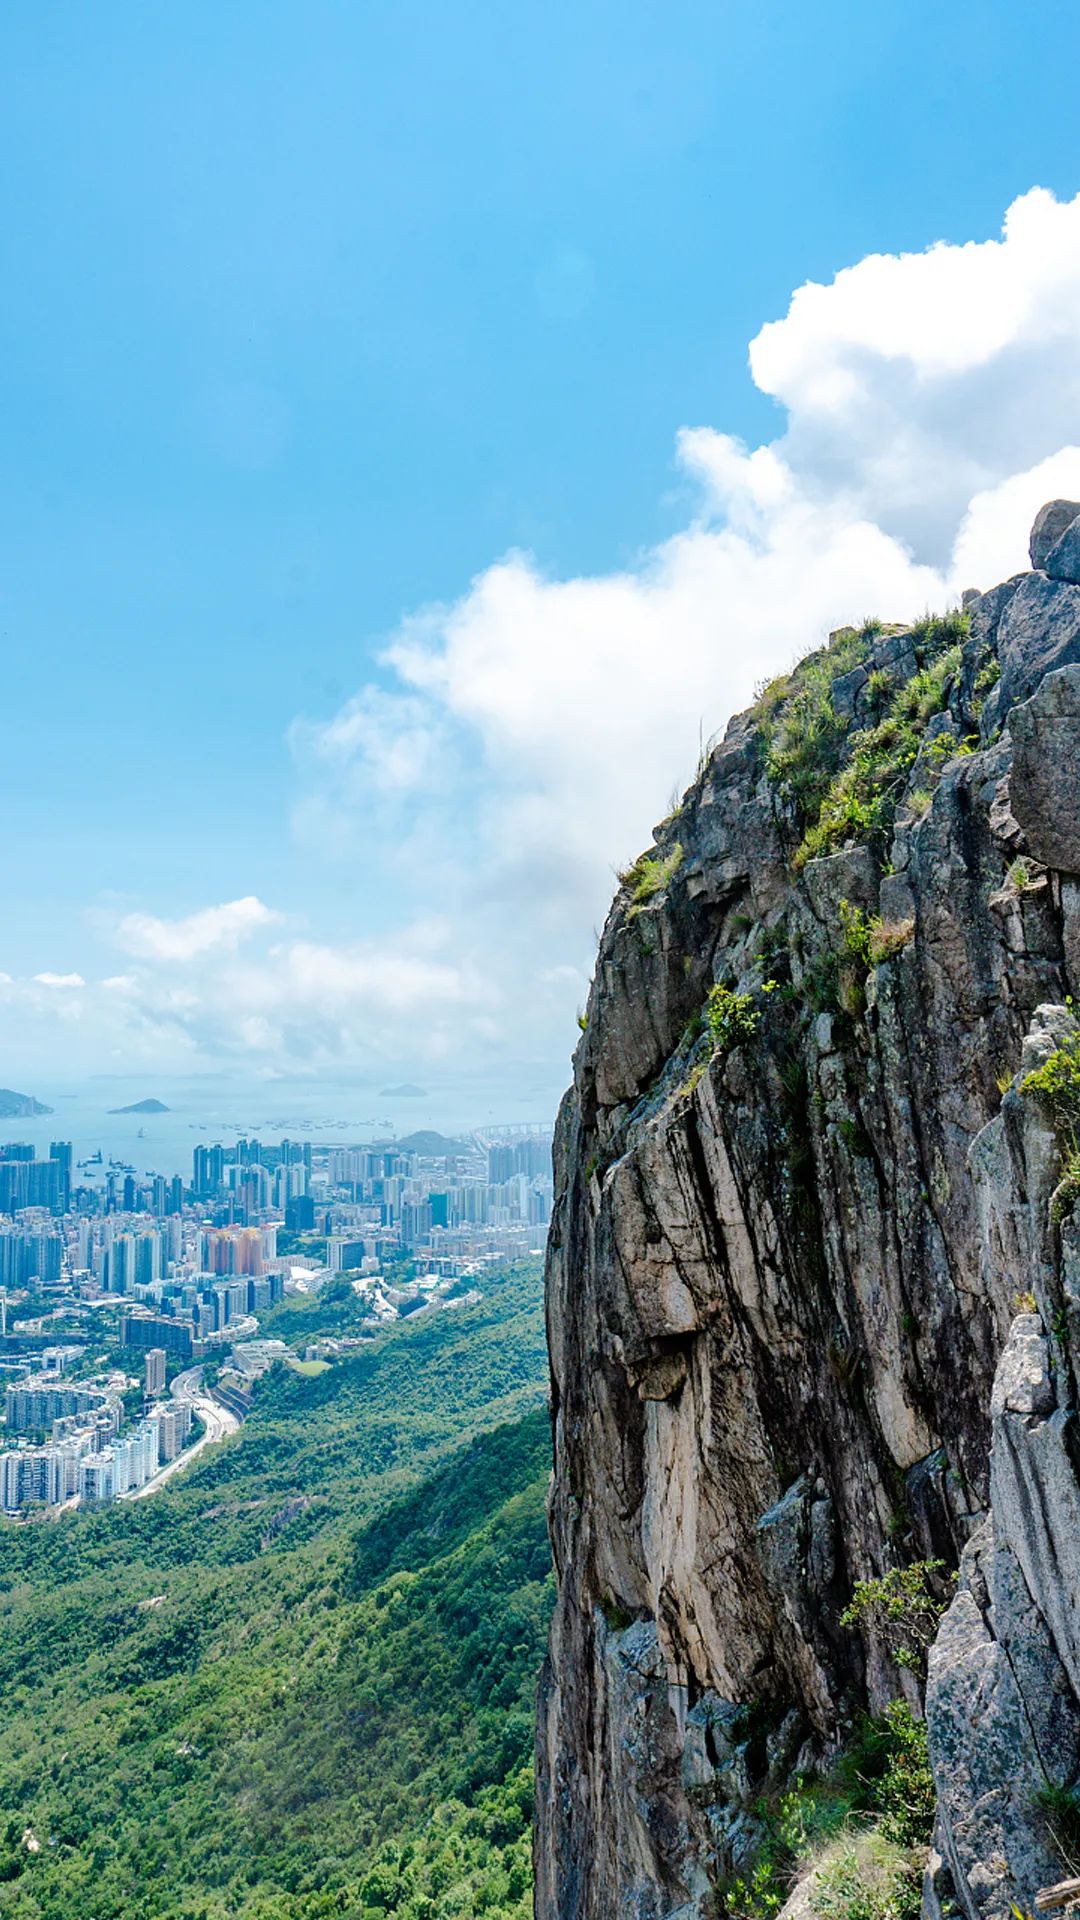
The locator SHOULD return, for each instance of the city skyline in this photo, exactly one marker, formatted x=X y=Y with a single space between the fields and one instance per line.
x=116 y=1286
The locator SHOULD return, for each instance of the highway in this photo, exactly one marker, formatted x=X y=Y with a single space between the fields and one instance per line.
x=217 y=1421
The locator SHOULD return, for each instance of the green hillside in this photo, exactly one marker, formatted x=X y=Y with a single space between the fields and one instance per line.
x=300 y=1681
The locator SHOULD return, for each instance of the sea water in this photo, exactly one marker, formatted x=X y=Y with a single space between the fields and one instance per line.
x=203 y=1110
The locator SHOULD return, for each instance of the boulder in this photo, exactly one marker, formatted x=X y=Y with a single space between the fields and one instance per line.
x=1038 y=632
x=1063 y=560
x=1049 y=525
x=1044 y=783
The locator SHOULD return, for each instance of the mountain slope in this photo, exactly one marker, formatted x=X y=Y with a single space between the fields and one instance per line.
x=234 y=1700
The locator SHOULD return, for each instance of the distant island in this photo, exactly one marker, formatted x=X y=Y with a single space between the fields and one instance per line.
x=19 y=1106
x=140 y=1106
x=434 y=1146
x=405 y=1092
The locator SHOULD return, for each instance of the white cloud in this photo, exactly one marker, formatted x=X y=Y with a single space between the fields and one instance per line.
x=60 y=979
x=212 y=928
x=914 y=382
x=522 y=740
x=533 y=730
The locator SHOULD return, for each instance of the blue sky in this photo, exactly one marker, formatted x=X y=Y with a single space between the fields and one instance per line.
x=314 y=312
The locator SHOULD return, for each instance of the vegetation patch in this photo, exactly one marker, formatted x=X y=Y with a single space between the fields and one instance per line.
x=861 y=1833
x=733 y=1017
x=860 y=801
x=868 y=1878
x=804 y=736
x=870 y=939
x=650 y=874
x=1059 y=1811
x=903 y=1608
x=841 y=786
x=1057 y=1084
x=335 y=1720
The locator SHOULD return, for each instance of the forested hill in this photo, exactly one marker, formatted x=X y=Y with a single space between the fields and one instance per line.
x=300 y=1681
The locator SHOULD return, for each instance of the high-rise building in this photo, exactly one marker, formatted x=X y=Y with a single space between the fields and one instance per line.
x=26 y=1257
x=61 y=1152
x=96 y=1482
x=343 y=1253
x=500 y=1165
x=300 y=1213
x=155 y=1371
x=29 y=1183
x=154 y=1330
x=32 y=1405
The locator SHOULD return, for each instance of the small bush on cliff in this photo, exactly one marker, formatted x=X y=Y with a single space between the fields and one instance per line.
x=1064 y=1198
x=905 y=1794
x=1057 y=1085
x=879 y=689
x=871 y=939
x=650 y=874
x=733 y=1017
x=936 y=632
x=902 y=1607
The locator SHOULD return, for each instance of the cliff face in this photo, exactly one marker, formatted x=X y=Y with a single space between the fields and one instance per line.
x=795 y=1221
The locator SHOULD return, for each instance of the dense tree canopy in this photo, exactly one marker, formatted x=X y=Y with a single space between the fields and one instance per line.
x=298 y=1682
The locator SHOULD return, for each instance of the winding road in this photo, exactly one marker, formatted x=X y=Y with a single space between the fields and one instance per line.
x=217 y=1421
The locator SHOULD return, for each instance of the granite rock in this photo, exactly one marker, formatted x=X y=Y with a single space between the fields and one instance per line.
x=790 y=1283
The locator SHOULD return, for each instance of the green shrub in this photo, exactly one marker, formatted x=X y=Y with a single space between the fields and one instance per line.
x=877 y=1805
x=904 y=1797
x=617 y=1617
x=903 y=1608
x=732 y=1017
x=1057 y=1084
x=869 y=938
x=650 y=874
x=1067 y=1192
x=924 y=694
x=855 y=1137
x=879 y=688
x=936 y=632
x=689 y=1085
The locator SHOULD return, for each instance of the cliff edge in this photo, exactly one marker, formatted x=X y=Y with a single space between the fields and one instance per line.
x=814 y=1271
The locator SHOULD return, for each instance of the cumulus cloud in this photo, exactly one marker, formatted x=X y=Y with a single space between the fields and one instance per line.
x=60 y=979
x=212 y=928
x=914 y=382
x=520 y=742
x=533 y=731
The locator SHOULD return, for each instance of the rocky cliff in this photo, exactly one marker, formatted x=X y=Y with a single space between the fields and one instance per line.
x=815 y=1179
